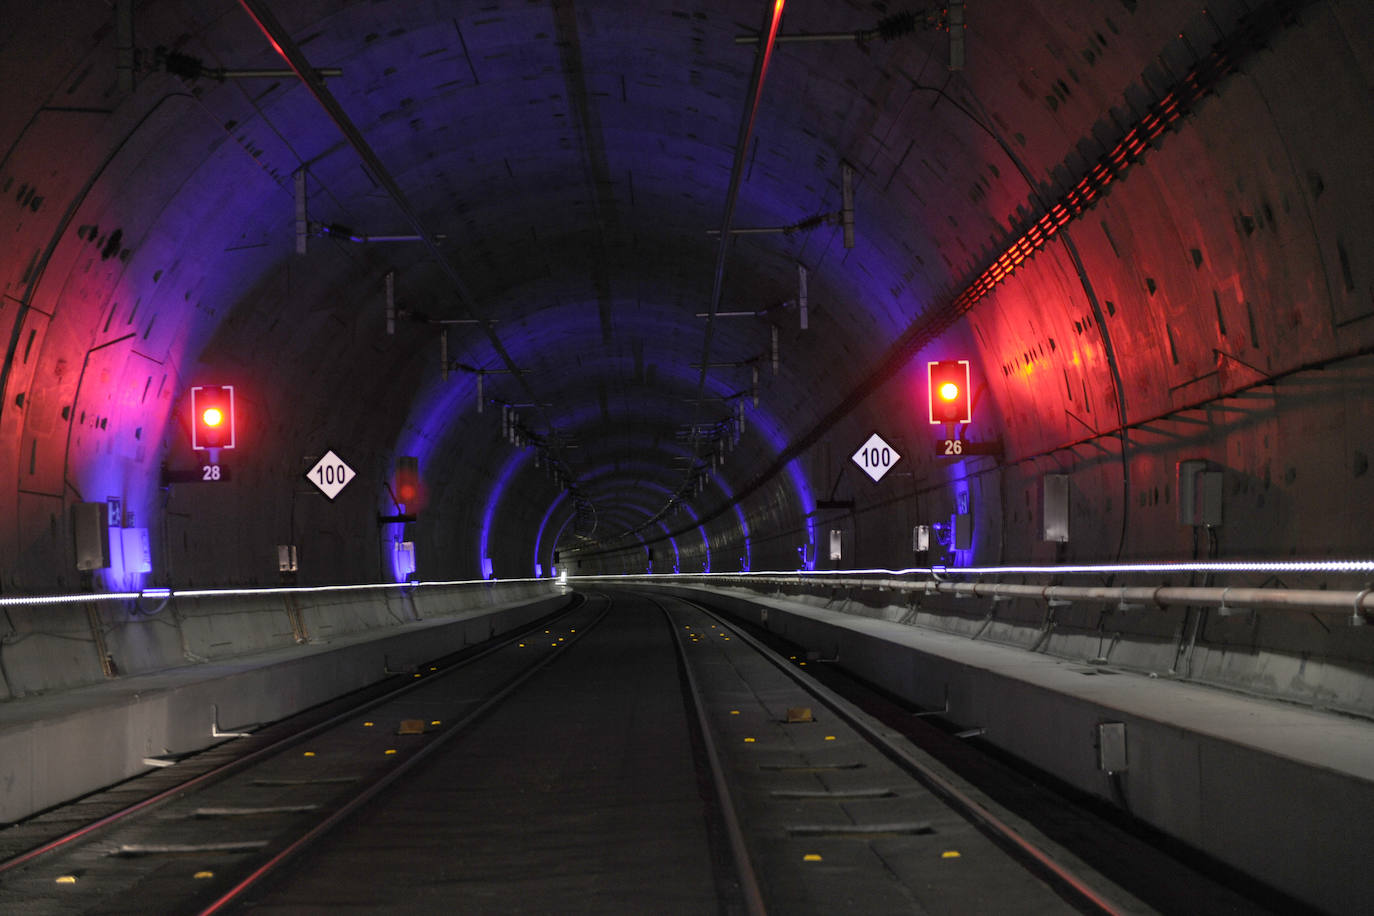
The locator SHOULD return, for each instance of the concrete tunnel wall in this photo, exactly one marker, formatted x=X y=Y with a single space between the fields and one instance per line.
x=1222 y=276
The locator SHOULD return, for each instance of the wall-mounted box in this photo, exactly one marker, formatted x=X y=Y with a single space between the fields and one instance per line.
x=135 y=549
x=89 y=528
x=1200 y=494
x=1054 y=508
x=1111 y=746
x=286 y=558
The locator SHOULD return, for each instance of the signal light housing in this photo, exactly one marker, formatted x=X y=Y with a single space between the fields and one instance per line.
x=407 y=479
x=950 y=399
x=212 y=417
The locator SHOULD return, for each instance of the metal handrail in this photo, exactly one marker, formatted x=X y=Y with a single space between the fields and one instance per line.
x=1231 y=599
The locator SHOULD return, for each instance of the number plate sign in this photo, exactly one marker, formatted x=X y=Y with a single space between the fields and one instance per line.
x=330 y=474
x=875 y=457
x=958 y=448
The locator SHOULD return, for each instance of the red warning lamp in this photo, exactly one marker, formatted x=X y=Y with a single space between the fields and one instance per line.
x=949 y=391
x=212 y=416
x=407 y=479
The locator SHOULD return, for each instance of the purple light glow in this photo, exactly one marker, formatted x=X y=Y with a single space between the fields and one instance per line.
x=503 y=479
x=432 y=421
x=543 y=526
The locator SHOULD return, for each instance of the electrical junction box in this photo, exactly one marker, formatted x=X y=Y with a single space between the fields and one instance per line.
x=1199 y=494
x=920 y=538
x=135 y=549
x=286 y=558
x=1054 y=508
x=90 y=526
x=1111 y=746
x=835 y=539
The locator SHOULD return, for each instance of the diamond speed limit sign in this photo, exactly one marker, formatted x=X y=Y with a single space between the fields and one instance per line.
x=875 y=457
x=330 y=474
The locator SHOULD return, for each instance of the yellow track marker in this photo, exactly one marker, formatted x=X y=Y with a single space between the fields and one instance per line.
x=66 y=879
x=202 y=875
x=748 y=740
x=950 y=854
x=811 y=857
x=309 y=754
x=390 y=751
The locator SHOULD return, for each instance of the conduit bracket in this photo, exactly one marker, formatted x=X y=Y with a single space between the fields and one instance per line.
x=1357 y=619
x=215 y=731
x=1230 y=610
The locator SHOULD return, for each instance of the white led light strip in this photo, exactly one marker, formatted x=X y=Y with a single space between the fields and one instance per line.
x=1286 y=566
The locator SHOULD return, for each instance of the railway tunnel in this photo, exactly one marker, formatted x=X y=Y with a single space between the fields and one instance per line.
x=518 y=294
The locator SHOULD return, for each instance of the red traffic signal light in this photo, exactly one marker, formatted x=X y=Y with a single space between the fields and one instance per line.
x=407 y=479
x=950 y=400
x=212 y=416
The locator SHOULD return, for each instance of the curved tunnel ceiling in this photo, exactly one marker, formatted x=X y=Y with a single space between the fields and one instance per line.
x=1075 y=208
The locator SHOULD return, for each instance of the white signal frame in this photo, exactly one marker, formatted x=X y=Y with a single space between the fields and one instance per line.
x=930 y=391
x=195 y=419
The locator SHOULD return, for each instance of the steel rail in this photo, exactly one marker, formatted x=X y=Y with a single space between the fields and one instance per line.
x=896 y=750
x=402 y=768
x=744 y=868
x=234 y=766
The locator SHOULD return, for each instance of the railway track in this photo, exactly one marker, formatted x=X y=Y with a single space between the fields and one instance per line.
x=238 y=814
x=637 y=754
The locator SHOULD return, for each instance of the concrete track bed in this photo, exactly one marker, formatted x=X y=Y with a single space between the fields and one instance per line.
x=1278 y=791
x=59 y=745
